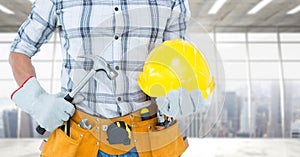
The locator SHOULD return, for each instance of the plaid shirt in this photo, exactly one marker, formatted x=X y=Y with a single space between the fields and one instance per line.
x=121 y=31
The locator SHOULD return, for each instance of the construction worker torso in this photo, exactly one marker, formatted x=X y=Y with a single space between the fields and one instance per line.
x=123 y=32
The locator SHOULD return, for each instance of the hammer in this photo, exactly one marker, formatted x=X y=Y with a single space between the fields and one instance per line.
x=99 y=64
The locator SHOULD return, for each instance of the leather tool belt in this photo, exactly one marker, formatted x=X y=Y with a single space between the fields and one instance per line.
x=86 y=143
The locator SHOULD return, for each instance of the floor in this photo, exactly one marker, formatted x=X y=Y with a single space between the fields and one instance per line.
x=243 y=148
x=208 y=147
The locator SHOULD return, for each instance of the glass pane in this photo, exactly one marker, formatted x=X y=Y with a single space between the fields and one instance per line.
x=43 y=70
x=291 y=70
x=265 y=70
x=5 y=49
x=263 y=51
x=290 y=51
x=7 y=87
x=51 y=40
x=235 y=112
x=45 y=53
x=57 y=70
x=211 y=35
x=265 y=109
x=5 y=72
x=230 y=37
x=235 y=70
x=289 y=37
x=7 y=36
x=56 y=88
x=292 y=108
x=260 y=37
x=232 y=51
x=6 y=106
x=58 y=53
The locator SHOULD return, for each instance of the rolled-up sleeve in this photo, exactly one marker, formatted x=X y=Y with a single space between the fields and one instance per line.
x=178 y=21
x=37 y=29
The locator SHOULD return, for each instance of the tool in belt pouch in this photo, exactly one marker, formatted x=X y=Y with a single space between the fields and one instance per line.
x=119 y=133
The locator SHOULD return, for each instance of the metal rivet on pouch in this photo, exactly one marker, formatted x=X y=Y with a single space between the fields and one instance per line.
x=97 y=128
x=104 y=127
x=81 y=135
x=97 y=143
x=135 y=140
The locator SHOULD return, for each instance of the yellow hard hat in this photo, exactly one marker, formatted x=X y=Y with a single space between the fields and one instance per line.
x=175 y=64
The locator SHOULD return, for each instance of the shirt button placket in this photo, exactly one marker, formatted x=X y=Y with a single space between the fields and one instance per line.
x=119 y=98
x=116 y=9
x=116 y=37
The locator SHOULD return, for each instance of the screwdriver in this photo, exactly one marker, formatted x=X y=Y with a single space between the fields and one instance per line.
x=145 y=114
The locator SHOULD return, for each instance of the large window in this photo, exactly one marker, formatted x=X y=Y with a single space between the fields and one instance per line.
x=262 y=85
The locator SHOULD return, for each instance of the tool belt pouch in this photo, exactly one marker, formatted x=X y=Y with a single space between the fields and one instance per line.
x=59 y=144
x=147 y=141
x=167 y=142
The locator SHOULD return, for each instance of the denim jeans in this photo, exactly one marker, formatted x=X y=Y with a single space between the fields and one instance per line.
x=131 y=153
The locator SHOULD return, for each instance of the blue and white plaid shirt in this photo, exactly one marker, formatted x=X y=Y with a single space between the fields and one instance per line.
x=121 y=31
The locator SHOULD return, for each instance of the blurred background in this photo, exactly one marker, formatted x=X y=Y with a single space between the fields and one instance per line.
x=259 y=43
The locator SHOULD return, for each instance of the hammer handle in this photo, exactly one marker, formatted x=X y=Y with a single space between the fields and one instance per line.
x=42 y=131
x=69 y=98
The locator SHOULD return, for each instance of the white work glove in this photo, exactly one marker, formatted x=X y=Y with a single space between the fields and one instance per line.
x=49 y=110
x=180 y=102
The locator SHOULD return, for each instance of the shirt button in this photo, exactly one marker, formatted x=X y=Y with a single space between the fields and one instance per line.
x=119 y=98
x=116 y=9
x=116 y=37
x=117 y=67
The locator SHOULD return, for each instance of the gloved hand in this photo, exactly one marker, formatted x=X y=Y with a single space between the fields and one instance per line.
x=49 y=110
x=180 y=102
